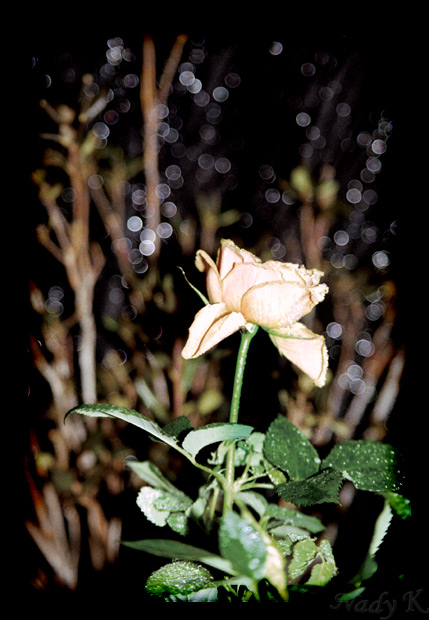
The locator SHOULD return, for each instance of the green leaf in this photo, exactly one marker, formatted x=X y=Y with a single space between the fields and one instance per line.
x=275 y=475
x=400 y=504
x=172 y=502
x=201 y=437
x=164 y=505
x=321 y=488
x=304 y=552
x=178 y=427
x=181 y=551
x=178 y=521
x=366 y=571
x=289 y=450
x=150 y=473
x=323 y=572
x=146 y=502
x=370 y=465
x=206 y=595
x=349 y=596
x=178 y=578
x=243 y=546
x=128 y=415
x=381 y=526
x=253 y=500
x=250 y=452
x=289 y=516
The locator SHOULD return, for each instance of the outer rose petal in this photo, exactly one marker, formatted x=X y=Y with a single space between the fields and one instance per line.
x=241 y=279
x=305 y=349
x=204 y=262
x=279 y=304
x=292 y=272
x=212 y=324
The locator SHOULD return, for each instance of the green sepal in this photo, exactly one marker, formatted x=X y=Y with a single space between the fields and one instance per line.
x=194 y=288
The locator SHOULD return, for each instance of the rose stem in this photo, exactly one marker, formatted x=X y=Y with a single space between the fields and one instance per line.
x=246 y=338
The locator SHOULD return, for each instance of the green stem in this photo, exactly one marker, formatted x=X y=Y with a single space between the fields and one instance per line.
x=246 y=338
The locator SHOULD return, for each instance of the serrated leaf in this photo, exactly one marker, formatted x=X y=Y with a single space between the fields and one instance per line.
x=178 y=578
x=326 y=551
x=400 y=504
x=204 y=436
x=289 y=450
x=178 y=521
x=285 y=545
x=157 y=504
x=321 y=488
x=381 y=526
x=288 y=516
x=178 y=427
x=242 y=545
x=146 y=502
x=304 y=552
x=173 y=502
x=321 y=574
x=128 y=415
x=370 y=465
x=181 y=551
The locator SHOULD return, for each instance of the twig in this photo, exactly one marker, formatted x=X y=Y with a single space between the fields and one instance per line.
x=150 y=98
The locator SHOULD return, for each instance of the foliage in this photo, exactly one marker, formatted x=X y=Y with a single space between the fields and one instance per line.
x=258 y=542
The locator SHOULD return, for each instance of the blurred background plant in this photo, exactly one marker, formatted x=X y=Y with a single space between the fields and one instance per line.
x=161 y=148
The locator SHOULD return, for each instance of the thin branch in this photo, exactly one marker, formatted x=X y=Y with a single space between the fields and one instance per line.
x=171 y=68
x=150 y=97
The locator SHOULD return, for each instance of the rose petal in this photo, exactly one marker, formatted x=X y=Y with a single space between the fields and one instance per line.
x=292 y=272
x=241 y=279
x=230 y=254
x=305 y=349
x=277 y=304
x=212 y=324
x=204 y=262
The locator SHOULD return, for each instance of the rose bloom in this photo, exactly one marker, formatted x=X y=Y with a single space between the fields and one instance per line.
x=274 y=295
